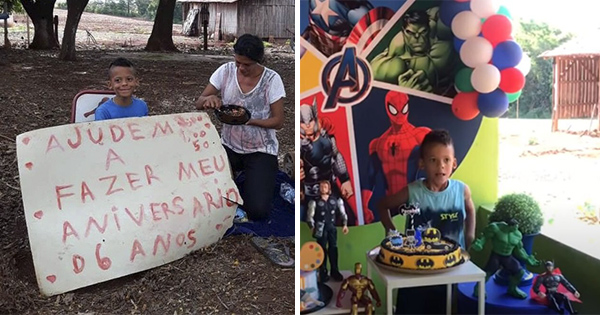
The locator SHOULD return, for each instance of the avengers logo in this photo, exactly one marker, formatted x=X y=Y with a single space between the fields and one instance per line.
x=424 y=263
x=346 y=79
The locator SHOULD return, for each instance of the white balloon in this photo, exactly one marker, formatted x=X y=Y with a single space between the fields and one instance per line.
x=485 y=78
x=476 y=51
x=466 y=24
x=524 y=65
x=485 y=8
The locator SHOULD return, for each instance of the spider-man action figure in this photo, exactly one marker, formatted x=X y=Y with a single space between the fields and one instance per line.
x=395 y=152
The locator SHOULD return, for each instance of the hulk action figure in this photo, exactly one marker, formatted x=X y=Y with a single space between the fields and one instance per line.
x=506 y=245
x=421 y=56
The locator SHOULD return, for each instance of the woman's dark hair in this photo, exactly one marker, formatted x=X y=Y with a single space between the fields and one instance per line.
x=250 y=46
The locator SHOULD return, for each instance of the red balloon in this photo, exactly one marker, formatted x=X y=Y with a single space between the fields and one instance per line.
x=496 y=29
x=464 y=105
x=511 y=80
x=462 y=0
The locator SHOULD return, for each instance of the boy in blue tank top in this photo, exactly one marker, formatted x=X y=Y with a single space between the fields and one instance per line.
x=123 y=81
x=445 y=204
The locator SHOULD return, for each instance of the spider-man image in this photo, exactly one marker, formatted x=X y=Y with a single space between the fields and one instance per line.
x=395 y=152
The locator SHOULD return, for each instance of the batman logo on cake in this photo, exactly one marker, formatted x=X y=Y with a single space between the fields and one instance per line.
x=432 y=235
x=450 y=260
x=396 y=260
x=424 y=263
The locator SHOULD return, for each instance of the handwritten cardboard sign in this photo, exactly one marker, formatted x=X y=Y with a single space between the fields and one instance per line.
x=110 y=198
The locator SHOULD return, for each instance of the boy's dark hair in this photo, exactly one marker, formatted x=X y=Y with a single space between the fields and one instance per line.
x=250 y=46
x=433 y=137
x=120 y=62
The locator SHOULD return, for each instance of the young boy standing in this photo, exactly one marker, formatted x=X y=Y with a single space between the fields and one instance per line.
x=445 y=204
x=123 y=81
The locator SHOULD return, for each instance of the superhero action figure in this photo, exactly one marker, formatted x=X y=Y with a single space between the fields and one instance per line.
x=332 y=24
x=359 y=285
x=395 y=152
x=551 y=281
x=506 y=245
x=321 y=160
x=321 y=217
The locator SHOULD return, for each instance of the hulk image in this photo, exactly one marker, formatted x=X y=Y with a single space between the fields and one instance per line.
x=507 y=246
x=421 y=56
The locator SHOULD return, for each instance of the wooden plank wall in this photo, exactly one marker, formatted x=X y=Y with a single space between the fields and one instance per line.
x=266 y=18
x=228 y=17
x=577 y=89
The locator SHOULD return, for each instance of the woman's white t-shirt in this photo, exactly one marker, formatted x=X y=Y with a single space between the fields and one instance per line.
x=269 y=89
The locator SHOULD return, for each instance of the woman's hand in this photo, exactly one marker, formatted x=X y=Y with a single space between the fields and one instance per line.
x=209 y=102
x=208 y=98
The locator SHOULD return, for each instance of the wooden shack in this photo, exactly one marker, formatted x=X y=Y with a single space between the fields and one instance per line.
x=576 y=80
x=264 y=18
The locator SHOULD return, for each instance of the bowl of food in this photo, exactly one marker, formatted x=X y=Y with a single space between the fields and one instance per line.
x=233 y=114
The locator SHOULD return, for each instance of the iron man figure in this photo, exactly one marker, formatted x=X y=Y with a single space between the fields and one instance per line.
x=395 y=152
x=359 y=285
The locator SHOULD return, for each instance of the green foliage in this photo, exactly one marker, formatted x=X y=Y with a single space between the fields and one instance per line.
x=145 y=9
x=522 y=208
x=536 y=38
x=13 y=6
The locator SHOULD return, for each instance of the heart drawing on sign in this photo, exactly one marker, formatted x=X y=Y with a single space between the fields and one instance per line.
x=51 y=278
x=39 y=214
x=219 y=226
x=26 y=140
x=29 y=165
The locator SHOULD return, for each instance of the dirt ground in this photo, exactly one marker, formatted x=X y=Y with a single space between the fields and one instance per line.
x=37 y=90
x=560 y=170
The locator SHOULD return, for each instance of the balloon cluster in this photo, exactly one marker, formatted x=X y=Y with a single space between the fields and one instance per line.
x=495 y=66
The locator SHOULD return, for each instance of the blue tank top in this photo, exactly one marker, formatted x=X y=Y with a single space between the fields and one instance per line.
x=444 y=210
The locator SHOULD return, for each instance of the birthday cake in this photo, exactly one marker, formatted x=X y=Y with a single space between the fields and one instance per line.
x=419 y=249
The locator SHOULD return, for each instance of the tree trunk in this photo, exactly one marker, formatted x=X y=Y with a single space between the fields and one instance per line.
x=41 y=14
x=161 y=38
x=75 y=9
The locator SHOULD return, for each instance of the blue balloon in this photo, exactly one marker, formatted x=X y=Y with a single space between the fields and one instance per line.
x=492 y=104
x=449 y=9
x=458 y=43
x=507 y=54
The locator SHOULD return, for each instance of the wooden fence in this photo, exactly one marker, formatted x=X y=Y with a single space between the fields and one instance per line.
x=576 y=88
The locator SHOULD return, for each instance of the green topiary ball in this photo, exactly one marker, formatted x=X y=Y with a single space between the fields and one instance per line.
x=522 y=208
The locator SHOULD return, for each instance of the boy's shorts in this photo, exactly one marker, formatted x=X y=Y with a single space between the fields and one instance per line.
x=422 y=300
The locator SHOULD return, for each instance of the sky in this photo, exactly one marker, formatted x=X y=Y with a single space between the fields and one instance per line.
x=567 y=15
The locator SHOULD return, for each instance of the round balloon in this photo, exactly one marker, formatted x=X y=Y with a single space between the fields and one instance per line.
x=514 y=96
x=497 y=28
x=466 y=24
x=511 y=80
x=507 y=54
x=525 y=65
x=476 y=51
x=485 y=78
x=463 y=80
x=449 y=9
x=484 y=8
x=493 y=104
x=464 y=105
x=457 y=44
x=504 y=11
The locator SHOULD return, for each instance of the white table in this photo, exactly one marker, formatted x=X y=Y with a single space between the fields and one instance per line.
x=331 y=308
x=467 y=272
